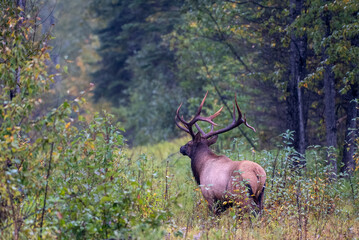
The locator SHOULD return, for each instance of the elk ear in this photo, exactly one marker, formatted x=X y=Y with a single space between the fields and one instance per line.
x=198 y=137
x=212 y=140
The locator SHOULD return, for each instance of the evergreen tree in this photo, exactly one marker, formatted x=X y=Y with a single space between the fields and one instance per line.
x=137 y=68
x=304 y=52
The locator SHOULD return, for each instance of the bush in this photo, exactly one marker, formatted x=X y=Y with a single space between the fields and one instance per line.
x=60 y=174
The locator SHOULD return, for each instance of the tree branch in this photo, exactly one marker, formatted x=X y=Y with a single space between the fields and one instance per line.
x=225 y=102
x=224 y=38
x=46 y=189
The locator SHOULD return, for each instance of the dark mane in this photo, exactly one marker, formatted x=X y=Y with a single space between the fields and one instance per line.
x=195 y=173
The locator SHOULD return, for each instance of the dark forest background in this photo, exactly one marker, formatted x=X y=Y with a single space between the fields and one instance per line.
x=294 y=65
x=88 y=95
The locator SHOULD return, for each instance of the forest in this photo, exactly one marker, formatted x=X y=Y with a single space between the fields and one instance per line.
x=90 y=93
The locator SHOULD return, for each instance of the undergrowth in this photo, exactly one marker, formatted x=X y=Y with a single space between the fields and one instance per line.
x=300 y=203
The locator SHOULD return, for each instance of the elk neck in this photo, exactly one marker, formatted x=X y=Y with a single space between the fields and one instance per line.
x=199 y=158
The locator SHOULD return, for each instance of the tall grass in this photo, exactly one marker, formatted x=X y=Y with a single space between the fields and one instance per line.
x=300 y=203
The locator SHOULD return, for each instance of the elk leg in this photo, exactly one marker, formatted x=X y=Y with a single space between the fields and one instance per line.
x=216 y=207
x=252 y=202
x=260 y=200
x=211 y=206
x=257 y=203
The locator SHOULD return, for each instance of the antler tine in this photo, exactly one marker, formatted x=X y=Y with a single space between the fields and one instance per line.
x=247 y=125
x=244 y=115
x=234 y=113
x=238 y=109
x=179 y=117
x=216 y=114
x=197 y=118
x=209 y=119
x=201 y=106
x=181 y=127
x=200 y=129
x=212 y=125
x=234 y=123
x=187 y=126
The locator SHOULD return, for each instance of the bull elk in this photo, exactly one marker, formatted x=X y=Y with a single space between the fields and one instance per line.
x=223 y=182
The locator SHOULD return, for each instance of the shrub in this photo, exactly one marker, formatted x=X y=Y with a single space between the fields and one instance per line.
x=60 y=174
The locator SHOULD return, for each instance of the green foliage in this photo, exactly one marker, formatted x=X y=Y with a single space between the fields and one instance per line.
x=98 y=194
x=62 y=175
x=338 y=37
x=155 y=55
x=244 y=47
x=228 y=47
x=137 y=69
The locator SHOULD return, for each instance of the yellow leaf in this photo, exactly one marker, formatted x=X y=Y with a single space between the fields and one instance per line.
x=193 y=24
x=91 y=145
x=57 y=66
x=67 y=125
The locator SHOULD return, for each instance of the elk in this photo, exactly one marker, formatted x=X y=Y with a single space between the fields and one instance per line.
x=223 y=182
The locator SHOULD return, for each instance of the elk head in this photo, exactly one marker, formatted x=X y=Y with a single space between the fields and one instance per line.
x=221 y=179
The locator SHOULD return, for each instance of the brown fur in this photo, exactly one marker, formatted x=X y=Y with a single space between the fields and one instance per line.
x=224 y=181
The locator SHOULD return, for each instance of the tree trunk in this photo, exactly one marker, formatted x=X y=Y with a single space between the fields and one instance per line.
x=296 y=120
x=351 y=123
x=329 y=102
x=330 y=119
x=351 y=129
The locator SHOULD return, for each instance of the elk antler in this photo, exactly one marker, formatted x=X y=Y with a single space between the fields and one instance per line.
x=187 y=126
x=235 y=123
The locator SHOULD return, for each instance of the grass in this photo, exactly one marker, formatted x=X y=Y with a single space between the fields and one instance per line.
x=302 y=205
